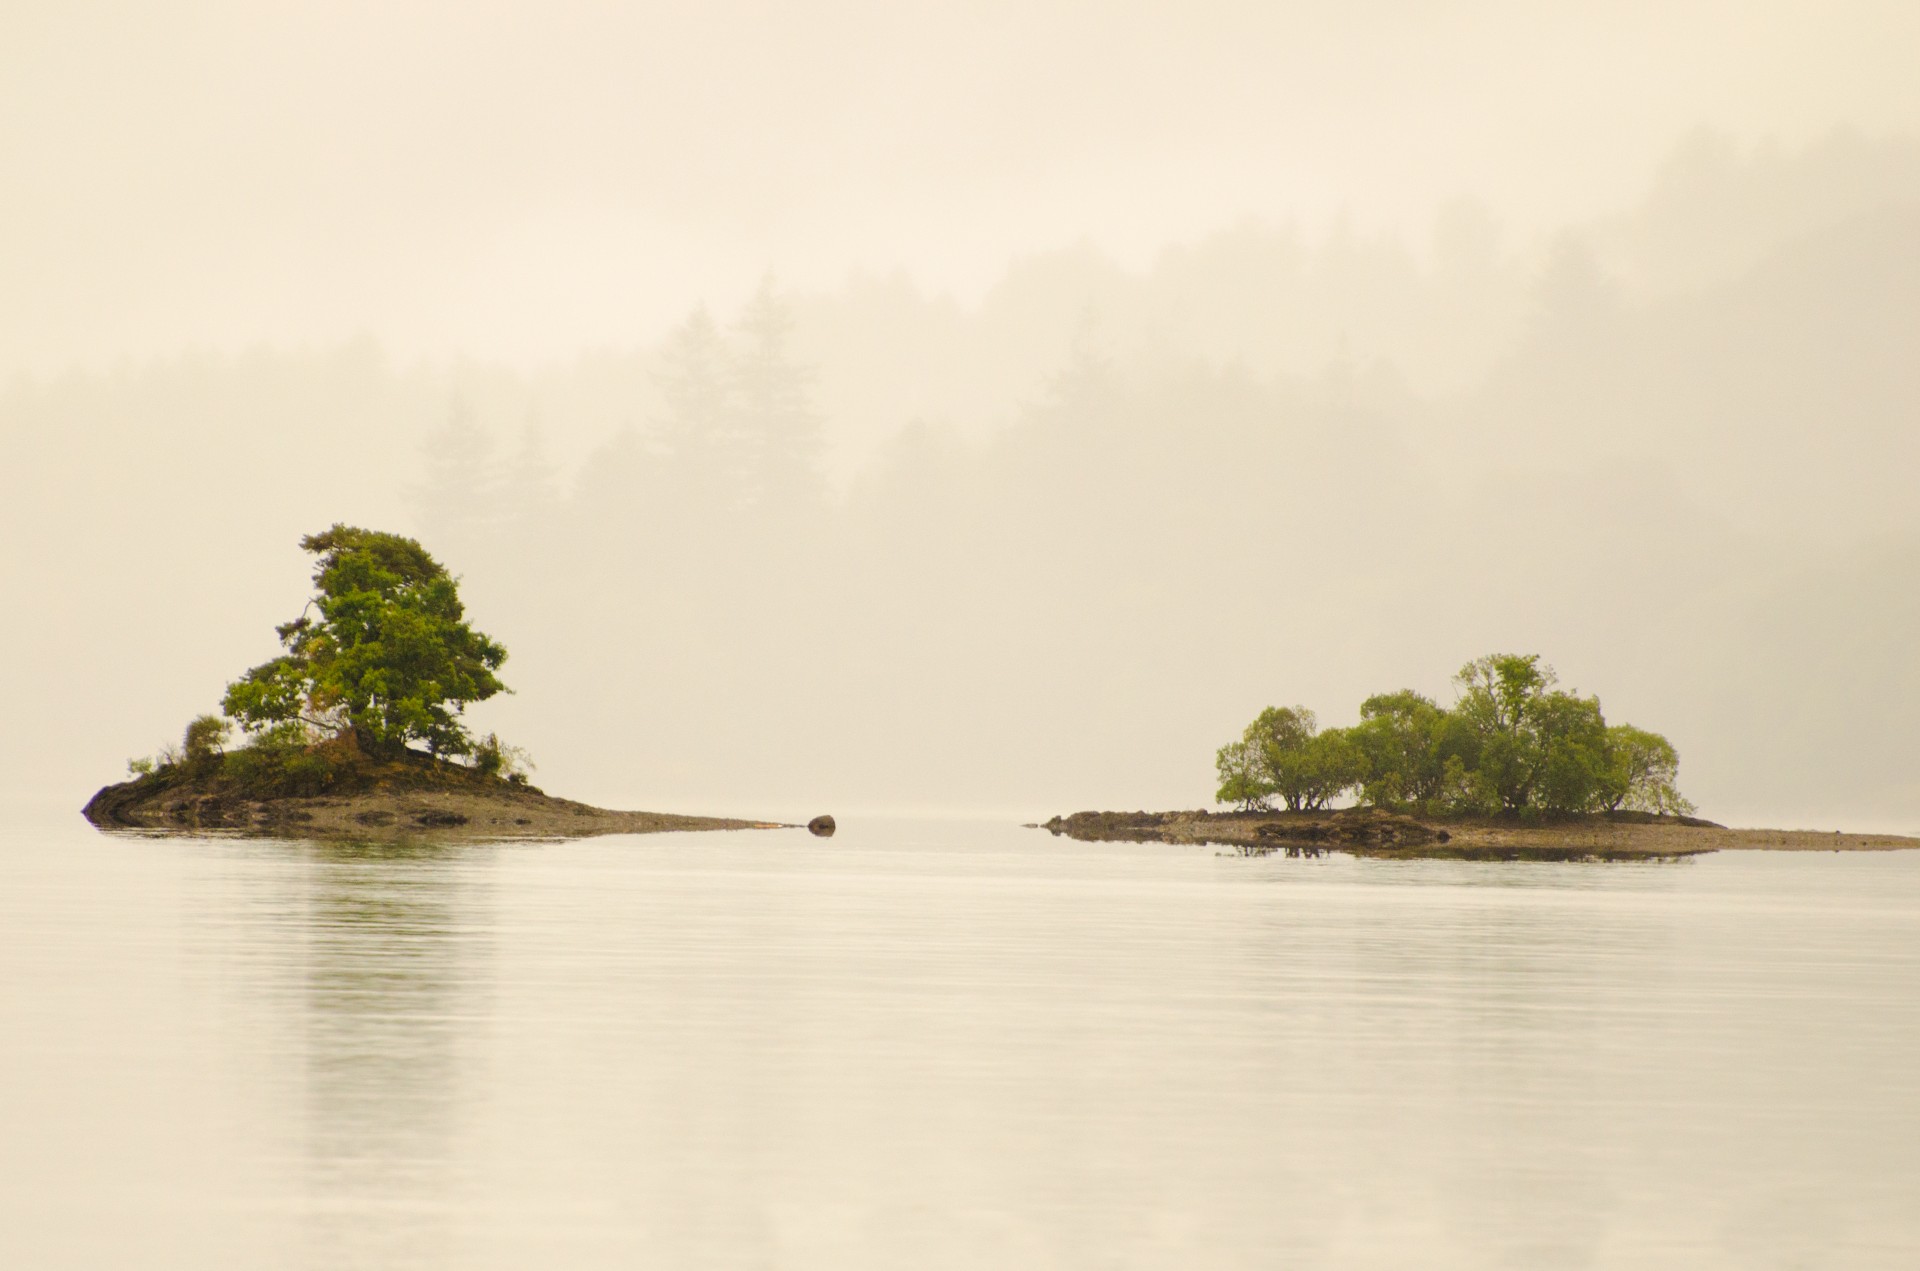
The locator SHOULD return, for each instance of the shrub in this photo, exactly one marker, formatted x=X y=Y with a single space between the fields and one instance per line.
x=493 y=758
x=205 y=739
x=281 y=761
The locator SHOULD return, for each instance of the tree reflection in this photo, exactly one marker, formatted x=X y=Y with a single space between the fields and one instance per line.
x=392 y=978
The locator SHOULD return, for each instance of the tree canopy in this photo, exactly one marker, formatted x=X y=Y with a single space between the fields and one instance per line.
x=1513 y=744
x=382 y=651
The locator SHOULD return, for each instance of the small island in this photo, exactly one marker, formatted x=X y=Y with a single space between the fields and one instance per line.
x=355 y=730
x=1374 y=833
x=1516 y=769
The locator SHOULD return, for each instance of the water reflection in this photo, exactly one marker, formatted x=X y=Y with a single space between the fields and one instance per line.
x=392 y=978
x=948 y=1046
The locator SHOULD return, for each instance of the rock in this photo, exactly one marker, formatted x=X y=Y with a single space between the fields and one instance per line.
x=438 y=819
x=822 y=826
x=112 y=807
x=1351 y=827
x=1123 y=827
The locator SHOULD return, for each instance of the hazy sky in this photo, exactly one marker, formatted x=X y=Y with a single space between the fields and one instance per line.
x=1087 y=522
x=520 y=180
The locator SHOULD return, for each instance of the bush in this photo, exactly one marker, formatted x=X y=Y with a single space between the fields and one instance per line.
x=282 y=761
x=205 y=739
x=493 y=758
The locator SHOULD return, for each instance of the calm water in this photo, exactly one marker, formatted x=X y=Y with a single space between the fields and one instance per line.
x=947 y=1044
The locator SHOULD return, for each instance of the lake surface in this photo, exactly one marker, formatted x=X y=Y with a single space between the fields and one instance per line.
x=927 y=1044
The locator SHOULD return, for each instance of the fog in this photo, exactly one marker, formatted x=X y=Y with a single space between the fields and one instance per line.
x=977 y=408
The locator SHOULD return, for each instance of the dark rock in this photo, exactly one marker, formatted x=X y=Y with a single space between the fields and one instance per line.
x=1352 y=827
x=210 y=810
x=1257 y=832
x=1114 y=827
x=822 y=826
x=112 y=807
x=438 y=818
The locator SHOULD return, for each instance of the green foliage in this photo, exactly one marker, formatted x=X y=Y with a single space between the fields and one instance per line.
x=1238 y=765
x=1408 y=742
x=1276 y=737
x=377 y=667
x=493 y=758
x=1282 y=753
x=1281 y=737
x=1329 y=765
x=1535 y=747
x=206 y=738
x=282 y=759
x=1513 y=744
x=1641 y=772
x=383 y=652
x=1497 y=691
x=1571 y=735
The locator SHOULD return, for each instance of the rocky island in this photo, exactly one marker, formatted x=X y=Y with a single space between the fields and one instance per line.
x=1515 y=769
x=351 y=795
x=1374 y=832
x=355 y=730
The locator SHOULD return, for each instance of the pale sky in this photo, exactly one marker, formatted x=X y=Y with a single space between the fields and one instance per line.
x=520 y=181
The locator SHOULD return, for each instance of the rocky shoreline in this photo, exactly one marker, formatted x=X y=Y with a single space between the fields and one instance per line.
x=1372 y=832
x=451 y=807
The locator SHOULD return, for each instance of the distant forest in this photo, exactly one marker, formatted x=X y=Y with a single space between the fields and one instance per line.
x=878 y=547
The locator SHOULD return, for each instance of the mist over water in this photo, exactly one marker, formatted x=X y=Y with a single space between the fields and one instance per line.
x=946 y=416
x=949 y=1044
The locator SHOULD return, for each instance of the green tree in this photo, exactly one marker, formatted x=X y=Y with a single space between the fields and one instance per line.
x=1329 y=765
x=1499 y=704
x=1279 y=737
x=1284 y=754
x=382 y=652
x=1407 y=740
x=1641 y=770
x=1534 y=747
x=1242 y=782
x=1572 y=739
